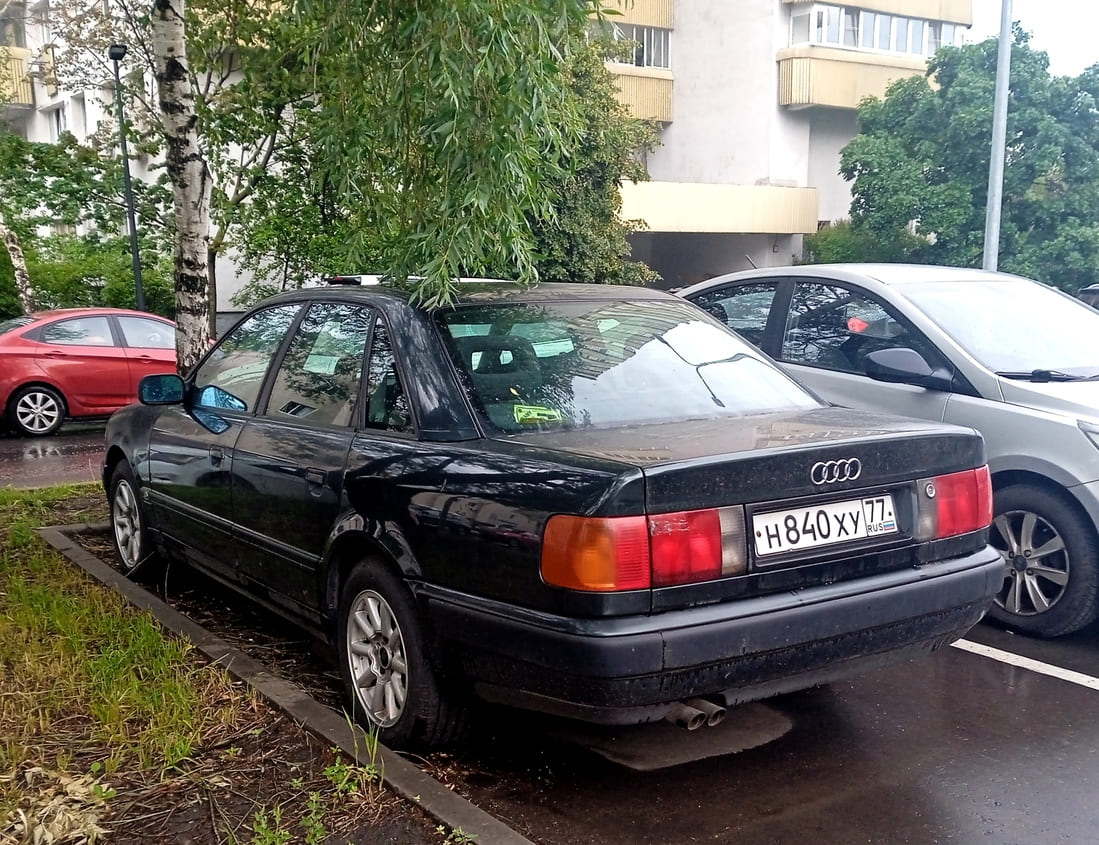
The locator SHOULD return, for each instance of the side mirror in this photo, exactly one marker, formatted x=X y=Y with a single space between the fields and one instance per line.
x=902 y=365
x=161 y=389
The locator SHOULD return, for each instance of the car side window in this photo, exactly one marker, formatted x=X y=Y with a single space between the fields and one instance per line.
x=231 y=376
x=835 y=328
x=318 y=381
x=387 y=405
x=80 y=331
x=743 y=308
x=143 y=333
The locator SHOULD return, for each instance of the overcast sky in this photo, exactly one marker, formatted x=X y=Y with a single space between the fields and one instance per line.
x=1068 y=30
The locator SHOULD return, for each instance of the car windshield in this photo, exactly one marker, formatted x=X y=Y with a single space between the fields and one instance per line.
x=1014 y=326
x=607 y=364
x=15 y=323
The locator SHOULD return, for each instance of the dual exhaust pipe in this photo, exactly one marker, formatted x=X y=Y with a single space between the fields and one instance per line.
x=695 y=713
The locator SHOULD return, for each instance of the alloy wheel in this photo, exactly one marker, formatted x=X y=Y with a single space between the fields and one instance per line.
x=1036 y=561
x=377 y=658
x=38 y=412
x=126 y=521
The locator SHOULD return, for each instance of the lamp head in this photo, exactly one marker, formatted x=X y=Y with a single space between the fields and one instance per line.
x=116 y=52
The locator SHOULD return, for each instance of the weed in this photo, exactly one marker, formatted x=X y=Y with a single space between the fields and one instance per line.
x=313 y=821
x=457 y=836
x=267 y=827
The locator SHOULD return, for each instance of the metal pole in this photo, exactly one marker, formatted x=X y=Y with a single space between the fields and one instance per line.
x=135 y=252
x=999 y=140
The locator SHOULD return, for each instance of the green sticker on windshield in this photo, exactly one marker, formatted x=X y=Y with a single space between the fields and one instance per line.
x=534 y=414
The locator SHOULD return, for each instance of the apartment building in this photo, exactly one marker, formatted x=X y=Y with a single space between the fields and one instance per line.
x=755 y=99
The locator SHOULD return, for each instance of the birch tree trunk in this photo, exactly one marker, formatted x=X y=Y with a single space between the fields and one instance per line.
x=190 y=179
x=22 y=277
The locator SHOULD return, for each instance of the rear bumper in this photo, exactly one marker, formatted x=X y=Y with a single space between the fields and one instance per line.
x=628 y=670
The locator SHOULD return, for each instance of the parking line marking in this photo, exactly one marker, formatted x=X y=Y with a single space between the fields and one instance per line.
x=1038 y=666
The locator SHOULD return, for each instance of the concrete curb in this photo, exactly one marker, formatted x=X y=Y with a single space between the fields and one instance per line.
x=397 y=773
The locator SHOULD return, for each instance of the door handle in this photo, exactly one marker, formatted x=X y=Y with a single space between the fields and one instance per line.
x=216 y=455
x=315 y=476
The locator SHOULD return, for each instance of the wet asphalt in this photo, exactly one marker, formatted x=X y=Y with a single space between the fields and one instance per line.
x=73 y=455
x=994 y=742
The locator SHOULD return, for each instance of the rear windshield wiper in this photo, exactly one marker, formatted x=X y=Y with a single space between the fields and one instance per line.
x=1041 y=375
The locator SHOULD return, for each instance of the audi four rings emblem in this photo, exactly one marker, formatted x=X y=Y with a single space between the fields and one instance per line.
x=829 y=472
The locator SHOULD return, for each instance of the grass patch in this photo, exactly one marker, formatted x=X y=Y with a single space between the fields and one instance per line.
x=110 y=729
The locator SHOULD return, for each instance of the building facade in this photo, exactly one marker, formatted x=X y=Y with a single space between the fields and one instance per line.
x=755 y=99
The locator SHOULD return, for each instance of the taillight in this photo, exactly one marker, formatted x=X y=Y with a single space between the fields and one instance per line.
x=636 y=552
x=600 y=554
x=954 y=504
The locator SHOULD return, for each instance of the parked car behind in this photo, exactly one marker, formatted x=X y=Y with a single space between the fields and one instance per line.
x=78 y=363
x=592 y=501
x=1089 y=295
x=1009 y=356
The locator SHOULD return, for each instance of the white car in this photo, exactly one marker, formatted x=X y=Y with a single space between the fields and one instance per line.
x=1009 y=356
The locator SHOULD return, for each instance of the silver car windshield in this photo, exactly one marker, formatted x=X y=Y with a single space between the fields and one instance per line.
x=605 y=364
x=1013 y=326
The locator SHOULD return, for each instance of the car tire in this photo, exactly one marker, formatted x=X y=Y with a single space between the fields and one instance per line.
x=390 y=684
x=1051 y=552
x=133 y=546
x=36 y=411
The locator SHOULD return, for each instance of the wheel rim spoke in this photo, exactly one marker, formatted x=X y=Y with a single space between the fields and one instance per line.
x=1034 y=592
x=1013 y=600
x=1026 y=531
x=1004 y=528
x=1052 y=546
x=1054 y=576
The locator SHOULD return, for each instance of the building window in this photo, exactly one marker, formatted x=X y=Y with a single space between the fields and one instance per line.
x=653 y=44
x=59 y=122
x=13 y=29
x=857 y=29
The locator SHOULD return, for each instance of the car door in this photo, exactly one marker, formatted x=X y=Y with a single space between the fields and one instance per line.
x=80 y=356
x=288 y=462
x=191 y=446
x=150 y=347
x=830 y=329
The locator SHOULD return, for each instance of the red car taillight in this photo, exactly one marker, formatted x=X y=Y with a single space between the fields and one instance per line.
x=954 y=504
x=606 y=554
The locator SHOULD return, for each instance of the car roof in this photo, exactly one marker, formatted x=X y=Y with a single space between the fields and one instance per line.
x=90 y=312
x=480 y=291
x=886 y=274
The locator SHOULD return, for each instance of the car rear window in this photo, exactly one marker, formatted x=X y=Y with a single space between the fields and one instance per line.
x=607 y=364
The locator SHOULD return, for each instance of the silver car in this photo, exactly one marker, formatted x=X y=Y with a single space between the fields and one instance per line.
x=1009 y=356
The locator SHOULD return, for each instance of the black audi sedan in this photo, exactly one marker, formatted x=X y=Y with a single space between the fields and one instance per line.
x=592 y=501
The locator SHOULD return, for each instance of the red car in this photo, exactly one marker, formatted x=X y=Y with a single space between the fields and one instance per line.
x=78 y=362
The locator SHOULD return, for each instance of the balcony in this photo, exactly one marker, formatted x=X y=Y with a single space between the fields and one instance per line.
x=645 y=12
x=713 y=208
x=15 y=86
x=951 y=11
x=812 y=75
x=645 y=91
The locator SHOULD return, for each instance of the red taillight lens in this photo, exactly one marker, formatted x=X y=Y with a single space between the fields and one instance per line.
x=686 y=547
x=604 y=554
x=596 y=554
x=954 y=504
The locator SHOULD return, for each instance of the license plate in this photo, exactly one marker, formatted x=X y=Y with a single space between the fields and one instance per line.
x=822 y=525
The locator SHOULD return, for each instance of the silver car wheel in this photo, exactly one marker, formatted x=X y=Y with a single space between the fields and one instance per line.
x=38 y=411
x=1036 y=562
x=126 y=521
x=377 y=659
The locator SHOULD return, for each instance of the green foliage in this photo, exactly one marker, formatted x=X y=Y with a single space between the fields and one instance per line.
x=311 y=214
x=440 y=126
x=92 y=271
x=921 y=161
x=842 y=242
x=43 y=186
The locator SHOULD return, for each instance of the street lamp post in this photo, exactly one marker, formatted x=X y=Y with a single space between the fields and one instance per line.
x=116 y=53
